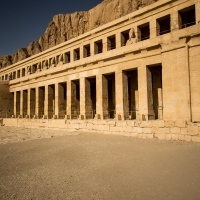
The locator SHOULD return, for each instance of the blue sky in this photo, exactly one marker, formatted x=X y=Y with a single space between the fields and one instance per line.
x=22 y=22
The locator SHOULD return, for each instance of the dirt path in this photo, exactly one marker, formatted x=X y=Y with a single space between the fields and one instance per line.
x=95 y=166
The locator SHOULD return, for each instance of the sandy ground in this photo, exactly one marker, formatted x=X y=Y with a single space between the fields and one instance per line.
x=38 y=164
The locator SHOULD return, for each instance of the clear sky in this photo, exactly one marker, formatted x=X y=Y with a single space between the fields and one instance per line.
x=24 y=21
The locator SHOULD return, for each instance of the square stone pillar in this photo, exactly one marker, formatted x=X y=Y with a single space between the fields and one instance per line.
x=46 y=101
x=142 y=89
x=153 y=28
x=36 y=102
x=71 y=56
x=160 y=104
x=118 y=40
x=29 y=102
x=82 y=98
x=197 y=11
x=85 y=99
x=99 y=97
x=15 y=106
x=105 y=44
x=151 y=114
x=69 y=98
x=81 y=52
x=57 y=100
x=175 y=21
x=21 y=103
x=92 y=48
x=137 y=105
x=122 y=104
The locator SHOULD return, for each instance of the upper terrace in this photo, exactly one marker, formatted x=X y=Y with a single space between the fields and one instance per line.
x=153 y=25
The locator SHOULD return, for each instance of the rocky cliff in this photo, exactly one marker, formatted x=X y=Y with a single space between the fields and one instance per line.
x=67 y=26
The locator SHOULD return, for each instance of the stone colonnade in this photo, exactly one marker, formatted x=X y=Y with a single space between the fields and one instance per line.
x=131 y=94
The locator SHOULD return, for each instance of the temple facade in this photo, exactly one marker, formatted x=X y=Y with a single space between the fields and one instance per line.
x=144 y=66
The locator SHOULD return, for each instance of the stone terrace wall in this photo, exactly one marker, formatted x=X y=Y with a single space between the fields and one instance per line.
x=164 y=130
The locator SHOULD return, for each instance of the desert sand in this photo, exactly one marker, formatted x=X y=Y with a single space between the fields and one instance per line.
x=50 y=164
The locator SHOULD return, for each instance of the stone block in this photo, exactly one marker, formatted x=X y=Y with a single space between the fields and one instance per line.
x=184 y=131
x=149 y=136
x=146 y=130
x=130 y=123
x=180 y=123
x=160 y=124
x=106 y=127
x=188 y=138
x=90 y=126
x=134 y=129
x=193 y=130
x=169 y=123
x=116 y=129
x=100 y=127
x=111 y=122
x=162 y=130
x=107 y=132
x=142 y=136
x=143 y=124
x=160 y=136
x=175 y=130
x=181 y=137
x=127 y=129
x=83 y=125
x=126 y=133
x=137 y=124
x=174 y=136
x=195 y=138
x=139 y=130
x=168 y=136
x=121 y=123
x=134 y=134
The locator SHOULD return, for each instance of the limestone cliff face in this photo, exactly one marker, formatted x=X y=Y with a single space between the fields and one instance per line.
x=67 y=26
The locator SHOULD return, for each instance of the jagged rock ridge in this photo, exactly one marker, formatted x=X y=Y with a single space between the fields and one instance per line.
x=67 y=26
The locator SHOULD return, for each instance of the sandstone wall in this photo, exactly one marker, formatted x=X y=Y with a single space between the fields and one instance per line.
x=67 y=26
x=6 y=100
x=161 y=129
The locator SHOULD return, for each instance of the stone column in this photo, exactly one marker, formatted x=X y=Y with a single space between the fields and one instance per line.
x=122 y=104
x=69 y=99
x=105 y=97
x=46 y=101
x=56 y=114
x=137 y=104
x=92 y=49
x=82 y=98
x=99 y=97
x=85 y=100
x=160 y=104
x=142 y=89
x=15 y=106
x=151 y=114
x=175 y=20
x=21 y=103
x=105 y=43
x=197 y=11
x=29 y=102
x=36 y=103
x=118 y=40
x=153 y=28
x=81 y=52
